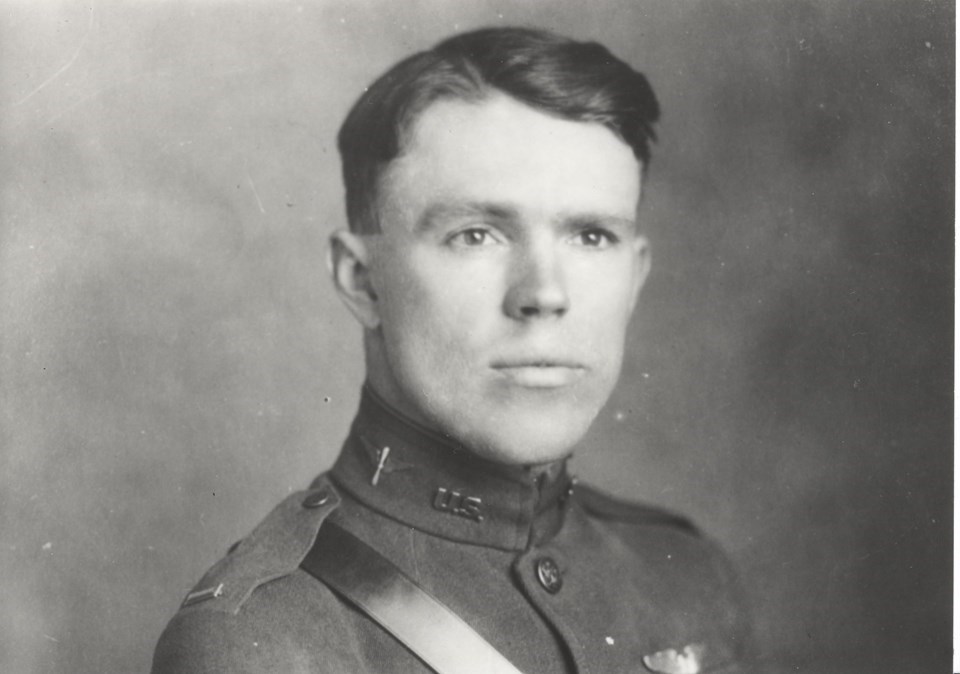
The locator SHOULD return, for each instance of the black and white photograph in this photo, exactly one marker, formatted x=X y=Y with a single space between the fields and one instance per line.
x=503 y=336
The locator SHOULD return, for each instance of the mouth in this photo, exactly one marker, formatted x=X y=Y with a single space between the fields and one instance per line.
x=540 y=373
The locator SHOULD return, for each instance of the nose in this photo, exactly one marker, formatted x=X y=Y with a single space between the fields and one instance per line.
x=538 y=288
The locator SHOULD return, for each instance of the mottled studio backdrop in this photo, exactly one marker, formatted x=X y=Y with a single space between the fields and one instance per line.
x=174 y=361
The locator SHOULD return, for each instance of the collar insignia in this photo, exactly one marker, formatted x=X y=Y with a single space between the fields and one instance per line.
x=447 y=500
x=379 y=457
x=672 y=662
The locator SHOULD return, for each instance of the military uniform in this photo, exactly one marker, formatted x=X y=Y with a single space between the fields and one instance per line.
x=556 y=577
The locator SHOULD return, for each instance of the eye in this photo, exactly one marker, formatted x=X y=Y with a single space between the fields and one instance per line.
x=472 y=237
x=595 y=237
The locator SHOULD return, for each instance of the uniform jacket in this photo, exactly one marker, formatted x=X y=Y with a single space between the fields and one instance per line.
x=629 y=588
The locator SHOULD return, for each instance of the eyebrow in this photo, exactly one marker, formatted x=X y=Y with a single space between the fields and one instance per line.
x=577 y=220
x=438 y=213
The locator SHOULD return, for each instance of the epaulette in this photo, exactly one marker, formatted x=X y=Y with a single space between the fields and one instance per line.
x=604 y=506
x=274 y=549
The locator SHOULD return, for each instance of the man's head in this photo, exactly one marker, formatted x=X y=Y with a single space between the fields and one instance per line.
x=494 y=258
x=578 y=81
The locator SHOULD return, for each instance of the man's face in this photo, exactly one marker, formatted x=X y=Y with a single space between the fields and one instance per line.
x=504 y=277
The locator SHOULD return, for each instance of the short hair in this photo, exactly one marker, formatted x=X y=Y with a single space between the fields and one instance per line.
x=577 y=81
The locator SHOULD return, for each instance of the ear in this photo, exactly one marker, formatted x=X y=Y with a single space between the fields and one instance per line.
x=641 y=248
x=348 y=260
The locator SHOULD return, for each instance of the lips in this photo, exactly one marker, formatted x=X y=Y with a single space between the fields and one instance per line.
x=540 y=372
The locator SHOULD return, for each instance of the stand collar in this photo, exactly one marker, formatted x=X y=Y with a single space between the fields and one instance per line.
x=423 y=479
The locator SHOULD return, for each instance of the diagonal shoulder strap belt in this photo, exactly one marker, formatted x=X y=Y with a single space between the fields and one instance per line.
x=423 y=624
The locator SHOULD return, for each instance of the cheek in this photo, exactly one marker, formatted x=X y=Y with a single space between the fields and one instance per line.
x=605 y=298
x=606 y=287
x=437 y=310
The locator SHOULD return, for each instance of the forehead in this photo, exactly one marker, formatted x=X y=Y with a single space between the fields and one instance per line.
x=499 y=150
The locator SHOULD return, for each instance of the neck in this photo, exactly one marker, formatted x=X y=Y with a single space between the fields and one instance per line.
x=380 y=382
x=408 y=471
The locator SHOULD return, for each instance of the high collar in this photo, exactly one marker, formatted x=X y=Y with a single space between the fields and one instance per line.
x=416 y=476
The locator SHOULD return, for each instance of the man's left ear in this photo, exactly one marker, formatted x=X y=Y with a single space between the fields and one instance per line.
x=641 y=247
x=349 y=263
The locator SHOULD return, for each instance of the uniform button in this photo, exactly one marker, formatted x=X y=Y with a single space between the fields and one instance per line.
x=316 y=499
x=548 y=573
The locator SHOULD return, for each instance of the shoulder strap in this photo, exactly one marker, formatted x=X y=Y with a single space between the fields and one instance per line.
x=423 y=624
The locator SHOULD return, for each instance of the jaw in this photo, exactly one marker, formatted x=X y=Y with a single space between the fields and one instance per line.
x=523 y=418
x=512 y=424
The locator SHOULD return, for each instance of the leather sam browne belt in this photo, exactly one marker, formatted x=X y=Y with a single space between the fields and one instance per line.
x=420 y=621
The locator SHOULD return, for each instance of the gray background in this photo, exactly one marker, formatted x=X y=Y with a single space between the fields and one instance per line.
x=174 y=361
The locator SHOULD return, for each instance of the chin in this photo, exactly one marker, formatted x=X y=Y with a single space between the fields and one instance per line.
x=526 y=439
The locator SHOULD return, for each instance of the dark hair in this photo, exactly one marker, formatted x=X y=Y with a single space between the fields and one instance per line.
x=578 y=81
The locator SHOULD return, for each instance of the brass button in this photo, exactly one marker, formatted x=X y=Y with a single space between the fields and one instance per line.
x=548 y=573
x=316 y=499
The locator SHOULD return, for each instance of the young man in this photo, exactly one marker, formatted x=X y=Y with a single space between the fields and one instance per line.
x=493 y=260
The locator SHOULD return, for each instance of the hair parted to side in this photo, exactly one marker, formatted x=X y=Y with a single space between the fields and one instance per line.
x=578 y=81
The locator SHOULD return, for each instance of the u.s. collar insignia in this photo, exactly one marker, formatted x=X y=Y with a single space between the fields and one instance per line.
x=672 y=662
